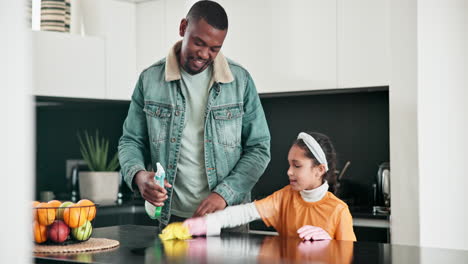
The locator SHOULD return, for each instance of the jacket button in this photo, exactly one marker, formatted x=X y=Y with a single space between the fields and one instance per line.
x=177 y=113
x=173 y=140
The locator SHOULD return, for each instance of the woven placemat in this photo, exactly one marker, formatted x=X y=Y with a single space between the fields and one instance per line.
x=93 y=244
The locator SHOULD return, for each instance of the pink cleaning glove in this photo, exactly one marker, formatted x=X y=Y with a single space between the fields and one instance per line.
x=197 y=226
x=309 y=232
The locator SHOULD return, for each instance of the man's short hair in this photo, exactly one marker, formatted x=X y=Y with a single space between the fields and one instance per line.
x=212 y=12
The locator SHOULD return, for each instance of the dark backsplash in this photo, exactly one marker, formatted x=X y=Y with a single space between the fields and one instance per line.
x=58 y=122
x=356 y=120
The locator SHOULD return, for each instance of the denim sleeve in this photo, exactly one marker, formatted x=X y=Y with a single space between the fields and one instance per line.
x=256 y=150
x=133 y=145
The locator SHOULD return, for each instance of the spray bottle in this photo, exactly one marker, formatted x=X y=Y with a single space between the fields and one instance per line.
x=153 y=211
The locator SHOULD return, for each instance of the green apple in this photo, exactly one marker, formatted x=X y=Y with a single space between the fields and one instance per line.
x=61 y=209
x=83 y=232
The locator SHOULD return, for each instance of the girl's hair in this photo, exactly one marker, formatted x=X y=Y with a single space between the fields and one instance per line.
x=327 y=147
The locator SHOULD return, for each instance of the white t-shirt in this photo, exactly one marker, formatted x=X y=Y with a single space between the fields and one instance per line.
x=191 y=183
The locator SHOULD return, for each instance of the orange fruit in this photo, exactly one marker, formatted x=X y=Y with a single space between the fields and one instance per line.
x=89 y=209
x=34 y=204
x=45 y=216
x=40 y=232
x=74 y=216
x=54 y=203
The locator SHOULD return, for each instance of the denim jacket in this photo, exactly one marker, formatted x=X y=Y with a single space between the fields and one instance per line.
x=236 y=135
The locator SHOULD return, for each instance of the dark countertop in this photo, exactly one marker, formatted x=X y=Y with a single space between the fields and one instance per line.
x=367 y=226
x=140 y=244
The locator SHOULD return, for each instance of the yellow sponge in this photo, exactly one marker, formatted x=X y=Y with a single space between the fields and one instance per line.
x=175 y=230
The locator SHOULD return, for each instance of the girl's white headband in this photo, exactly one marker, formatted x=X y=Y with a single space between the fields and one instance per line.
x=314 y=147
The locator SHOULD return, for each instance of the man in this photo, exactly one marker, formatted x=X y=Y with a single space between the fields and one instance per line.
x=199 y=115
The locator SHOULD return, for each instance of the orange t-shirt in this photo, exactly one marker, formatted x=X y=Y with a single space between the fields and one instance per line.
x=286 y=211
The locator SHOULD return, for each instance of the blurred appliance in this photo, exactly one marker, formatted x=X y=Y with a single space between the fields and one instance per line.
x=382 y=189
x=74 y=184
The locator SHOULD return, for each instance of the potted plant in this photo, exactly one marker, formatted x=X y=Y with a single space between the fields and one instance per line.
x=101 y=183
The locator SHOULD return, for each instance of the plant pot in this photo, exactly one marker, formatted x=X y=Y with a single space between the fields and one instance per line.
x=99 y=186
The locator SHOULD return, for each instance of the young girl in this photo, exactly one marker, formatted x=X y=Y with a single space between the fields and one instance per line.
x=305 y=207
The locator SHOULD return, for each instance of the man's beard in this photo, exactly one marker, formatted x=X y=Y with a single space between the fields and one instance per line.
x=189 y=70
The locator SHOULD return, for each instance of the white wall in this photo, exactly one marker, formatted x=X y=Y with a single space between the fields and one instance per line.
x=403 y=124
x=17 y=130
x=434 y=256
x=429 y=124
x=443 y=122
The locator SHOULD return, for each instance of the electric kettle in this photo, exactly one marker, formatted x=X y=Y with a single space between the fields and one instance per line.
x=382 y=192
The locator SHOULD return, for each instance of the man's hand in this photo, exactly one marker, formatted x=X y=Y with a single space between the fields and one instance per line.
x=212 y=203
x=149 y=189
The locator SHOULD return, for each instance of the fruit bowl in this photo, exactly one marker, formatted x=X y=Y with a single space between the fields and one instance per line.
x=63 y=223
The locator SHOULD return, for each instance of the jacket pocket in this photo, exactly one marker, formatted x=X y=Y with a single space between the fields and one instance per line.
x=158 y=118
x=228 y=123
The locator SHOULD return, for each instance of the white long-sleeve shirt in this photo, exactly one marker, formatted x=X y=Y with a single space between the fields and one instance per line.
x=245 y=213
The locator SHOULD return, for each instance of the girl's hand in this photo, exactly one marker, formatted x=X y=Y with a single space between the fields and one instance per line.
x=309 y=232
x=197 y=226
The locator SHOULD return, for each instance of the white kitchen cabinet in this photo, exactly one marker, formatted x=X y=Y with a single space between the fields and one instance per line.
x=363 y=43
x=295 y=45
x=68 y=65
x=101 y=64
x=150 y=38
x=310 y=45
x=115 y=22
x=285 y=45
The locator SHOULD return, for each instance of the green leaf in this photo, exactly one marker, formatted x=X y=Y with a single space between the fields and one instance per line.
x=114 y=163
x=84 y=152
x=95 y=152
